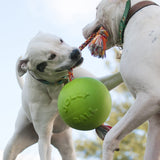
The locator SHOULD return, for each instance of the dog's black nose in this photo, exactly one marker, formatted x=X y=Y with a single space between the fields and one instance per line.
x=75 y=54
x=41 y=67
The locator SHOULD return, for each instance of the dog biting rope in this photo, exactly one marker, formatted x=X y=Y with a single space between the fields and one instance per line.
x=97 y=43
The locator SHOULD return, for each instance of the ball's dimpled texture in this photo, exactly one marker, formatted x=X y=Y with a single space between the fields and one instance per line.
x=84 y=103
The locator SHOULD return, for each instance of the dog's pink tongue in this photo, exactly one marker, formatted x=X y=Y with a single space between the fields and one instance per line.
x=102 y=131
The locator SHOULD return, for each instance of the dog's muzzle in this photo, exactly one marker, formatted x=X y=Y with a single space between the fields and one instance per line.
x=41 y=67
x=76 y=60
x=75 y=54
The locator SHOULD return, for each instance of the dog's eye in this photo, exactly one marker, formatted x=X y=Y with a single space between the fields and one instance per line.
x=61 y=40
x=52 y=56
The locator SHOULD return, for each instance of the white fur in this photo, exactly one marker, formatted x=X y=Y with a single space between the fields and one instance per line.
x=140 y=70
x=38 y=119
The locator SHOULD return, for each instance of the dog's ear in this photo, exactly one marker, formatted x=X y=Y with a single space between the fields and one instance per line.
x=21 y=66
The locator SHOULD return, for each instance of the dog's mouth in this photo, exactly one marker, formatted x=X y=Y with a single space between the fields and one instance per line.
x=93 y=31
x=96 y=29
x=69 y=67
x=79 y=62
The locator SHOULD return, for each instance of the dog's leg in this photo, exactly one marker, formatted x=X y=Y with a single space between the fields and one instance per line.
x=43 y=124
x=153 y=139
x=23 y=137
x=112 y=81
x=59 y=125
x=44 y=147
x=44 y=131
x=62 y=139
x=144 y=107
x=63 y=142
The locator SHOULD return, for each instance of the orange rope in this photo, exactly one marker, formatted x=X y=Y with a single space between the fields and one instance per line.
x=97 y=44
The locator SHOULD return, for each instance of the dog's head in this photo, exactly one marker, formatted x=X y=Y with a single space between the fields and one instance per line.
x=49 y=58
x=108 y=15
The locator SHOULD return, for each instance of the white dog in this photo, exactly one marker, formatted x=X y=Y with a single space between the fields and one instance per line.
x=47 y=61
x=139 y=67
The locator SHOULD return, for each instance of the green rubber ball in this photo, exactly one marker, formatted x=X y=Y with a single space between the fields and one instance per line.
x=84 y=103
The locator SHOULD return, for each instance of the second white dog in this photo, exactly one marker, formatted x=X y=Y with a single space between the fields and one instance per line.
x=139 y=66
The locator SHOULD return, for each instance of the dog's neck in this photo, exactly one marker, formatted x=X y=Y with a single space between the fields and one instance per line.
x=118 y=10
x=130 y=10
x=61 y=81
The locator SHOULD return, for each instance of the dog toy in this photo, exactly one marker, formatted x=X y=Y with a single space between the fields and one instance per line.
x=70 y=75
x=102 y=130
x=84 y=103
x=97 y=43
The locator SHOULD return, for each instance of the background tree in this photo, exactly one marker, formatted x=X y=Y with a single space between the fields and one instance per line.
x=132 y=146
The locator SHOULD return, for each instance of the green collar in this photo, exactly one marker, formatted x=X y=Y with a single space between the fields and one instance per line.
x=64 y=80
x=122 y=25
